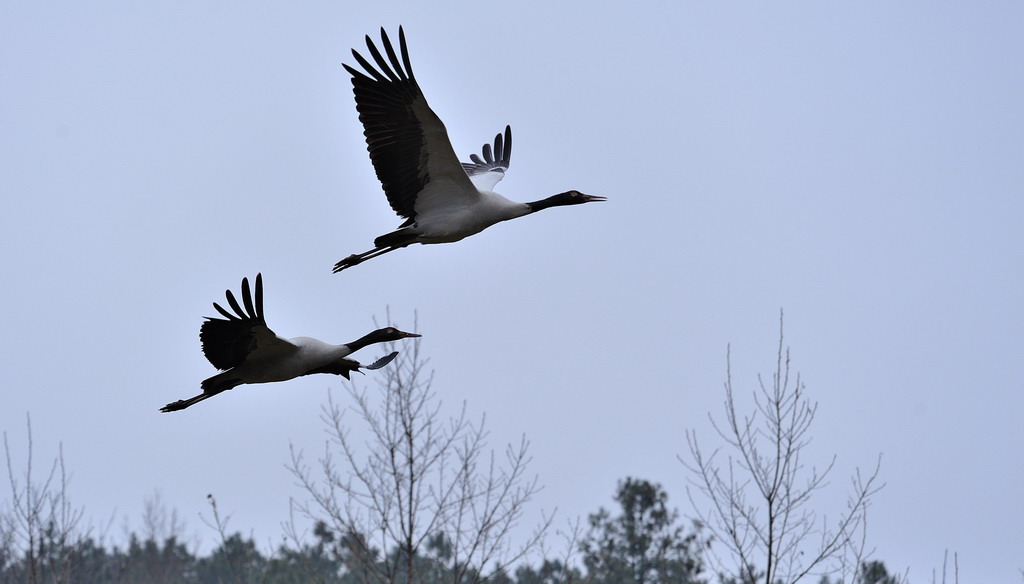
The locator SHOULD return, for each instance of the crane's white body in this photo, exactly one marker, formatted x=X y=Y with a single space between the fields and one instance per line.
x=449 y=219
x=277 y=359
x=454 y=205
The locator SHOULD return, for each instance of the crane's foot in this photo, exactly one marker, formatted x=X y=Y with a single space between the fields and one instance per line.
x=352 y=260
x=175 y=406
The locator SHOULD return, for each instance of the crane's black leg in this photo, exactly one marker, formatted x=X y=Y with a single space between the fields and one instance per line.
x=358 y=258
x=184 y=403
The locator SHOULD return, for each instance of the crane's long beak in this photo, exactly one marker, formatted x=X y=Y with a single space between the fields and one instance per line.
x=589 y=198
x=405 y=334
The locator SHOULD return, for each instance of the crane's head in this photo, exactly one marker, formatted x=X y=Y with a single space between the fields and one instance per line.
x=575 y=197
x=390 y=333
x=572 y=197
x=384 y=335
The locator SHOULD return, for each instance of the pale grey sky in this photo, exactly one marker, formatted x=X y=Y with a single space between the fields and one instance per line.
x=857 y=164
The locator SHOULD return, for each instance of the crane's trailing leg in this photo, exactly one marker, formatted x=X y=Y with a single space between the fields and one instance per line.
x=358 y=258
x=184 y=403
x=212 y=386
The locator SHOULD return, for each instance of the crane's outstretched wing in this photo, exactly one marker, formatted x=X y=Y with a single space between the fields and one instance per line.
x=487 y=172
x=228 y=341
x=408 y=143
x=345 y=367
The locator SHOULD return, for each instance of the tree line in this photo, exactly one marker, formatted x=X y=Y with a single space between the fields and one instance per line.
x=642 y=543
x=425 y=499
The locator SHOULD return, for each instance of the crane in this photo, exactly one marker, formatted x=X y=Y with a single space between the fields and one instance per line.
x=244 y=348
x=441 y=199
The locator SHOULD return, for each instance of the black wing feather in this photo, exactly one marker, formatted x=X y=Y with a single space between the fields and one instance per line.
x=498 y=161
x=234 y=303
x=224 y=312
x=247 y=298
x=259 y=296
x=227 y=341
x=385 y=95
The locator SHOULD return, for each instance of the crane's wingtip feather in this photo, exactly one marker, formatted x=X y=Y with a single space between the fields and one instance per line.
x=382 y=361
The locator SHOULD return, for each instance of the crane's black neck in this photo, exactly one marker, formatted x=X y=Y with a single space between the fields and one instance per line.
x=566 y=198
x=543 y=204
x=364 y=341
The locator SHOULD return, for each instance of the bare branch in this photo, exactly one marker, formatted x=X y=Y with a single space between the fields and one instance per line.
x=42 y=523
x=765 y=519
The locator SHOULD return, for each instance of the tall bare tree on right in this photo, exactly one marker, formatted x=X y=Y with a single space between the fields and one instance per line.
x=755 y=493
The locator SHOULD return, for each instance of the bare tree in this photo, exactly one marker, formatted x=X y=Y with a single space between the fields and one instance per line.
x=8 y=551
x=423 y=499
x=234 y=555
x=760 y=495
x=559 y=566
x=41 y=521
x=159 y=523
x=956 y=569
